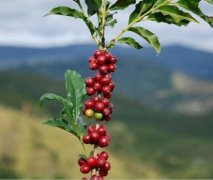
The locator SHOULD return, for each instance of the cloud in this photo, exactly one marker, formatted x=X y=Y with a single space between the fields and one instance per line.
x=22 y=23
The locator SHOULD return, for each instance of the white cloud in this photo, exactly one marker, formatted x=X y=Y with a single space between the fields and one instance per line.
x=22 y=23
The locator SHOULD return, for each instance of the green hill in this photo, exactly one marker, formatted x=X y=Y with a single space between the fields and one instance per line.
x=158 y=144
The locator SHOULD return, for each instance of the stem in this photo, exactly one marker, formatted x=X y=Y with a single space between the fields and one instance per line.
x=104 y=13
x=85 y=151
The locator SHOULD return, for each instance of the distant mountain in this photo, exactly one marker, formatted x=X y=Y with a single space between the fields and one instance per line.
x=142 y=75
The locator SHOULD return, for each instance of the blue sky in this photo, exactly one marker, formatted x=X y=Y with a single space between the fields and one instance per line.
x=22 y=24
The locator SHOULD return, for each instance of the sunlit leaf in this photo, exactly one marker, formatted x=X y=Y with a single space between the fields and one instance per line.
x=131 y=42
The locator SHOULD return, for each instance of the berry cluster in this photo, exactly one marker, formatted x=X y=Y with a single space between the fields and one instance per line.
x=98 y=137
x=98 y=163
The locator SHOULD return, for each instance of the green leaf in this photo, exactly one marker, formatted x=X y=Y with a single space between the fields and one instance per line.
x=76 y=90
x=193 y=6
x=172 y=15
x=112 y=23
x=62 y=124
x=83 y=156
x=66 y=11
x=130 y=41
x=141 y=8
x=51 y=96
x=93 y=6
x=150 y=37
x=122 y=4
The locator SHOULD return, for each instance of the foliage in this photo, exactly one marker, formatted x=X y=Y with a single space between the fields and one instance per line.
x=161 y=11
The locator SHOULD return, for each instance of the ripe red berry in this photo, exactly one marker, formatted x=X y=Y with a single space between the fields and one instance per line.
x=91 y=128
x=106 y=89
x=99 y=106
x=105 y=101
x=102 y=130
x=97 y=86
x=112 y=85
x=94 y=136
x=100 y=178
x=103 y=141
x=113 y=60
x=90 y=91
x=106 y=112
x=86 y=139
x=105 y=81
x=96 y=99
x=81 y=161
x=84 y=178
x=98 y=53
x=108 y=118
x=101 y=60
x=104 y=155
x=101 y=162
x=94 y=177
x=85 y=168
x=93 y=66
x=108 y=95
x=103 y=173
x=92 y=59
x=98 y=77
x=108 y=57
x=103 y=69
x=89 y=82
x=92 y=162
x=108 y=76
x=112 y=67
x=89 y=104
x=107 y=166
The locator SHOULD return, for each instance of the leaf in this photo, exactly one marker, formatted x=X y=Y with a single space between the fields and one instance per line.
x=193 y=6
x=93 y=6
x=150 y=37
x=141 y=8
x=172 y=15
x=122 y=4
x=112 y=23
x=62 y=124
x=83 y=156
x=76 y=90
x=66 y=11
x=209 y=1
x=130 y=41
x=51 y=96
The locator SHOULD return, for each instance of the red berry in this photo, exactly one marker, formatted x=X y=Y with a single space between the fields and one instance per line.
x=108 y=95
x=113 y=60
x=86 y=139
x=98 y=77
x=104 y=155
x=101 y=162
x=89 y=82
x=104 y=141
x=105 y=81
x=107 y=166
x=108 y=118
x=90 y=91
x=92 y=162
x=103 y=173
x=96 y=99
x=108 y=76
x=108 y=57
x=102 y=130
x=84 y=178
x=106 y=112
x=91 y=128
x=85 y=168
x=105 y=101
x=112 y=67
x=101 y=60
x=97 y=86
x=81 y=161
x=103 y=69
x=100 y=178
x=106 y=89
x=93 y=66
x=94 y=136
x=99 y=106
x=92 y=59
x=112 y=85
x=98 y=53
x=94 y=177
x=89 y=104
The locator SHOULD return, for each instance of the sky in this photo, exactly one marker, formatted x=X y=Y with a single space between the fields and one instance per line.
x=22 y=24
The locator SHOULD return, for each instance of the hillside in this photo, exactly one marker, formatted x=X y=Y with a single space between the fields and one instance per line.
x=161 y=144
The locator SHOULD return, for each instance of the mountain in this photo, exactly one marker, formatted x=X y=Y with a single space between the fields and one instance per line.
x=142 y=75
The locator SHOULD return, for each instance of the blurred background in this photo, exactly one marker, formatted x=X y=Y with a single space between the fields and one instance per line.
x=163 y=119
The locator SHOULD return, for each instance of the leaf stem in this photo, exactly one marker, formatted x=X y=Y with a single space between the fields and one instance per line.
x=104 y=14
x=84 y=148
